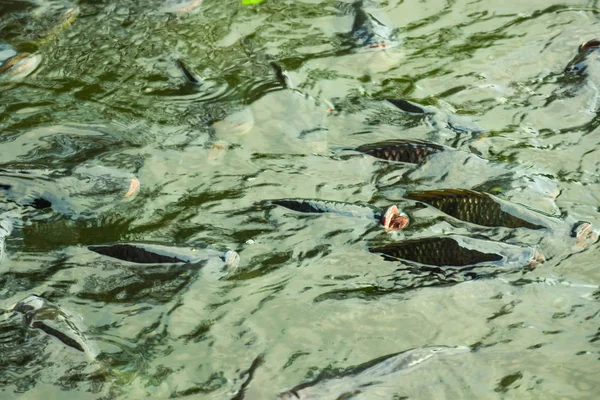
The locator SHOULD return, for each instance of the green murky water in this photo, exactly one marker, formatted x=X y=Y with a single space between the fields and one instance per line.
x=308 y=298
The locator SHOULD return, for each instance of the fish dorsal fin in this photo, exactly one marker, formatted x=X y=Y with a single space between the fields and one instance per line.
x=401 y=142
x=445 y=193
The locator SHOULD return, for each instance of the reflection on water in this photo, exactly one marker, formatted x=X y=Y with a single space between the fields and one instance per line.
x=164 y=132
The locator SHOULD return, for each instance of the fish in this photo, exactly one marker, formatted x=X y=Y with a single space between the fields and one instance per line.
x=402 y=150
x=14 y=66
x=368 y=31
x=446 y=125
x=459 y=251
x=226 y=261
x=80 y=190
x=380 y=377
x=578 y=65
x=481 y=208
x=188 y=75
x=39 y=313
x=391 y=218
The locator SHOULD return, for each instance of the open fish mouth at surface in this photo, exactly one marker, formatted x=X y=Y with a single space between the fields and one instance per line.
x=460 y=251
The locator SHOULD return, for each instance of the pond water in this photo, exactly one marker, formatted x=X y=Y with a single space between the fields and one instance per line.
x=213 y=107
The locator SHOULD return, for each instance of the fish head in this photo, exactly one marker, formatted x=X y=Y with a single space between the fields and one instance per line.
x=394 y=219
x=577 y=66
x=28 y=304
x=584 y=235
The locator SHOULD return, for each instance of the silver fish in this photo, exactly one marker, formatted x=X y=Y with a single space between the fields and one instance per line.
x=372 y=376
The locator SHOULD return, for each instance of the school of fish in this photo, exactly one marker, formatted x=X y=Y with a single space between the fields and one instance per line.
x=26 y=195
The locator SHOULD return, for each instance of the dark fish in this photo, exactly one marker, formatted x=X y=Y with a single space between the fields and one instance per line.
x=378 y=377
x=369 y=31
x=189 y=76
x=39 y=313
x=146 y=253
x=578 y=65
x=391 y=218
x=481 y=208
x=241 y=394
x=459 y=251
x=402 y=150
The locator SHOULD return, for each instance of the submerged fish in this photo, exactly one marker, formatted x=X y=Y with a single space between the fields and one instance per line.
x=579 y=66
x=446 y=124
x=459 y=251
x=39 y=313
x=367 y=30
x=149 y=253
x=379 y=378
x=402 y=150
x=81 y=190
x=391 y=218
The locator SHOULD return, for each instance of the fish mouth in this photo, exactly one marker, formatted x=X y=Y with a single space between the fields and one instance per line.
x=134 y=186
x=394 y=220
x=584 y=234
x=537 y=258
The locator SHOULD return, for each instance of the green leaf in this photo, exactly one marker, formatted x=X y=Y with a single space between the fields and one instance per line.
x=246 y=2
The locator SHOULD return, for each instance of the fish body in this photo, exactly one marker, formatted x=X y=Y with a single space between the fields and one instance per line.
x=367 y=30
x=39 y=313
x=459 y=251
x=481 y=208
x=222 y=263
x=391 y=218
x=369 y=379
x=402 y=150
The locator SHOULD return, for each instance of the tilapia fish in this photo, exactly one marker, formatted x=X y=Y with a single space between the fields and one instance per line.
x=367 y=30
x=402 y=150
x=150 y=253
x=459 y=251
x=482 y=209
x=39 y=313
x=379 y=378
x=391 y=218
